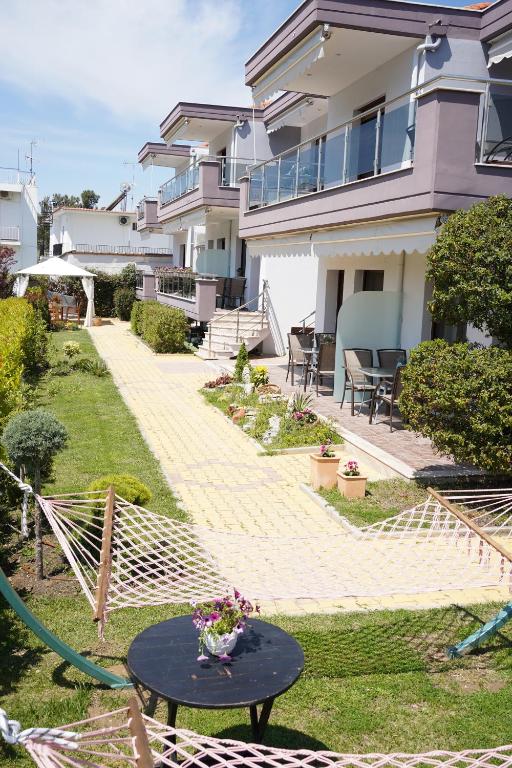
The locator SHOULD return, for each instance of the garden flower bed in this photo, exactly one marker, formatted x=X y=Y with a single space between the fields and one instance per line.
x=274 y=421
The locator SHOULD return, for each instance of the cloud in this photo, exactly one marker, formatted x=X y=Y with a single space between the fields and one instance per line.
x=134 y=58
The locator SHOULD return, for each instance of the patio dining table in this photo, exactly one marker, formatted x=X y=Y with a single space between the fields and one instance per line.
x=378 y=374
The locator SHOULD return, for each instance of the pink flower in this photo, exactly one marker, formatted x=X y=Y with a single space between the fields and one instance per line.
x=225 y=658
x=202 y=657
x=214 y=616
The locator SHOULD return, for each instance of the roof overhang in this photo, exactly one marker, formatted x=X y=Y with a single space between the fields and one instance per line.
x=202 y=122
x=391 y=17
x=500 y=48
x=158 y=153
x=329 y=60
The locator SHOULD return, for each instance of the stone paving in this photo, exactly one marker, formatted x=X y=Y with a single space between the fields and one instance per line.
x=220 y=476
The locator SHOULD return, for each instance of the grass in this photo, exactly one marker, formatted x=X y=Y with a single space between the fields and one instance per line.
x=292 y=434
x=383 y=499
x=103 y=435
x=372 y=682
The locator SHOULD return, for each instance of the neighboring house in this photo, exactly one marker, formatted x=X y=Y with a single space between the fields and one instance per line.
x=19 y=207
x=418 y=123
x=106 y=240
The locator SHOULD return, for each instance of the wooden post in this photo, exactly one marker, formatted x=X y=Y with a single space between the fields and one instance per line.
x=105 y=556
x=470 y=524
x=142 y=750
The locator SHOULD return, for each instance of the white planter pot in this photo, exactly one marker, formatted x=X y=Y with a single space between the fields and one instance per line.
x=221 y=645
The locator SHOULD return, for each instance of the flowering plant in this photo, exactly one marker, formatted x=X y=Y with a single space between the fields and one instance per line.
x=221 y=617
x=307 y=416
x=351 y=468
x=326 y=451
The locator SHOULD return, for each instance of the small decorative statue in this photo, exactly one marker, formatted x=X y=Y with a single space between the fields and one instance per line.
x=246 y=379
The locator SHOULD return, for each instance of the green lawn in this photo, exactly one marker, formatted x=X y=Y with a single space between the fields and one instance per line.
x=383 y=499
x=374 y=681
x=103 y=435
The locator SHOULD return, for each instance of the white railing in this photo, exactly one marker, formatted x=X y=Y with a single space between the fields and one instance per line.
x=378 y=141
x=9 y=232
x=14 y=176
x=121 y=249
x=262 y=302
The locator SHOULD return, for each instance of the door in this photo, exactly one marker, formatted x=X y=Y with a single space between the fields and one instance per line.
x=365 y=140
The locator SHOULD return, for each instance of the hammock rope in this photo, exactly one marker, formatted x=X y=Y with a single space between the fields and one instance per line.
x=27 y=491
x=127 y=738
x=149 y=559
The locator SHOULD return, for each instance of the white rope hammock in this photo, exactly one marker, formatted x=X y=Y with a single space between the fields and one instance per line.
x=127 y=739
x=123 y=555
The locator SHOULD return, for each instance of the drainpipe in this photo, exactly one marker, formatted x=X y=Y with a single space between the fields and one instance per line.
x=401 y=299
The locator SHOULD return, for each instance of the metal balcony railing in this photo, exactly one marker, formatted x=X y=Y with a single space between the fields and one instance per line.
x=231 y=170
x=139 y=279
x=141 y=207
x=14 y=176
x=378 y=141
x=121 y=249
x=10 y=232
x=182 y=284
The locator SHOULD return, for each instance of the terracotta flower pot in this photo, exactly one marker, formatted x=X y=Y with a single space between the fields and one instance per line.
x=323 y=470
x=352 y=486
x=96 y=321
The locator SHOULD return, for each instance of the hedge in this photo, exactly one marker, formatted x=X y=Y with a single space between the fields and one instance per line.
x=164 y=329
x=105 y=286
x=460 y=396
x=23 y=350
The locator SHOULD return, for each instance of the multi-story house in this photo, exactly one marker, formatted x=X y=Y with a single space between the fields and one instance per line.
x=416 y=122
x=106 y=240
x=19 y=207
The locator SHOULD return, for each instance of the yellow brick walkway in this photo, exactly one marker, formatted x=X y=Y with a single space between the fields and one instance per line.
x=215 y=468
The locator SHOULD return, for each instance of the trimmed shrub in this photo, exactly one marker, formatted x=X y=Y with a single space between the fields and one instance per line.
x=163 y=328
x=460 y=396
x=136 y=317
x=242 y=361
x=470 y=266
x=23 y=350
x=123 y=302
x=71 y=349
x=126 y=486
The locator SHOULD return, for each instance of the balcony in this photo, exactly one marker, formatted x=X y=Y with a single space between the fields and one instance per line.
x=9 y=233
x=407 y=156
x=147 y=218
x=193 y=293
x=209 y=181
x=121 y=250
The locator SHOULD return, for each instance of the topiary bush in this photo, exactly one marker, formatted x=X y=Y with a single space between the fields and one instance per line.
x=32 y=439
x=126 y=486
x=460 y=396
x=470 y=266
x=124 y=299
x=164 y=329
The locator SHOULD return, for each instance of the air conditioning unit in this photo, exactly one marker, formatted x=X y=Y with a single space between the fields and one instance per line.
x=4 y=193
x=124 y=219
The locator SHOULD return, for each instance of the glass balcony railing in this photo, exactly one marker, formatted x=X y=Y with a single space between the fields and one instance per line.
x=179 y=185
x=496 y=143
x=370 y=144
x=178 y=283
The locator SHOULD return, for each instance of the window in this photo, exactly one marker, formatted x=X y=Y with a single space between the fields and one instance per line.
x=373 y=280
x=365 y=140
x=221 y=244
x=134 y=226
x=211 y=245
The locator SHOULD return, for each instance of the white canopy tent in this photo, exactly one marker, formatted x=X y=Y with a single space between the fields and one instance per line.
x=56 y=267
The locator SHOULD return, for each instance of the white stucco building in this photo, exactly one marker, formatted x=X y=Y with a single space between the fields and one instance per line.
x=106 y=240
x=19 y=207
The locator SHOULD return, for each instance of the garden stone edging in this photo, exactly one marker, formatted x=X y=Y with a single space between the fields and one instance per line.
x=331 y=511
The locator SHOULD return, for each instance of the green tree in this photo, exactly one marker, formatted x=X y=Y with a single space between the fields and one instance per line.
x=32 y=439
x=460 y=396
x=470 y=266
x=7 y=262
x=89 y=198
x=242 y=361
x=67 y=201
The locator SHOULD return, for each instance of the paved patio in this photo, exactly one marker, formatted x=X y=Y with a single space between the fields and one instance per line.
x=218 y=472
x=407 y=452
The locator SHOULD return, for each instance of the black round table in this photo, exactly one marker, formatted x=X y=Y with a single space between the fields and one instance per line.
x=265 y=662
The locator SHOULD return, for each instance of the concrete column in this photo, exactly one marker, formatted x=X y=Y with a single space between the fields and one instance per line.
x=206 y=298
x=148 y=286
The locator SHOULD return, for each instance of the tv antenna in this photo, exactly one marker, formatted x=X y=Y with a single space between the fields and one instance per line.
x=132 y=185
x=30 y=156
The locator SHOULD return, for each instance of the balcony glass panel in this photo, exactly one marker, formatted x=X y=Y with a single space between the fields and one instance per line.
x=182 y=284
x=232 y=169
x=362 y=148
x=497 y=145
x=184 y=182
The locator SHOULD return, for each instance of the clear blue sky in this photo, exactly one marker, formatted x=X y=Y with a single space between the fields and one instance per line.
x=90 y=80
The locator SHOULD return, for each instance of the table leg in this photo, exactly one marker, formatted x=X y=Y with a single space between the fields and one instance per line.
x=172 y=709
x=258 y=724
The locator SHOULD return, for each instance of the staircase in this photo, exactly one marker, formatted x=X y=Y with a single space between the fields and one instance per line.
x=227 y=330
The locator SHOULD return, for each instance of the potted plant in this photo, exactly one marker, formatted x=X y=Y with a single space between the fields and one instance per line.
x=351 y=483
x=220 y=622
x=324 y=466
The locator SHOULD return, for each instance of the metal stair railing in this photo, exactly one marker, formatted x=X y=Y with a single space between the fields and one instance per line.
x=263 y=295
x=310 y=324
